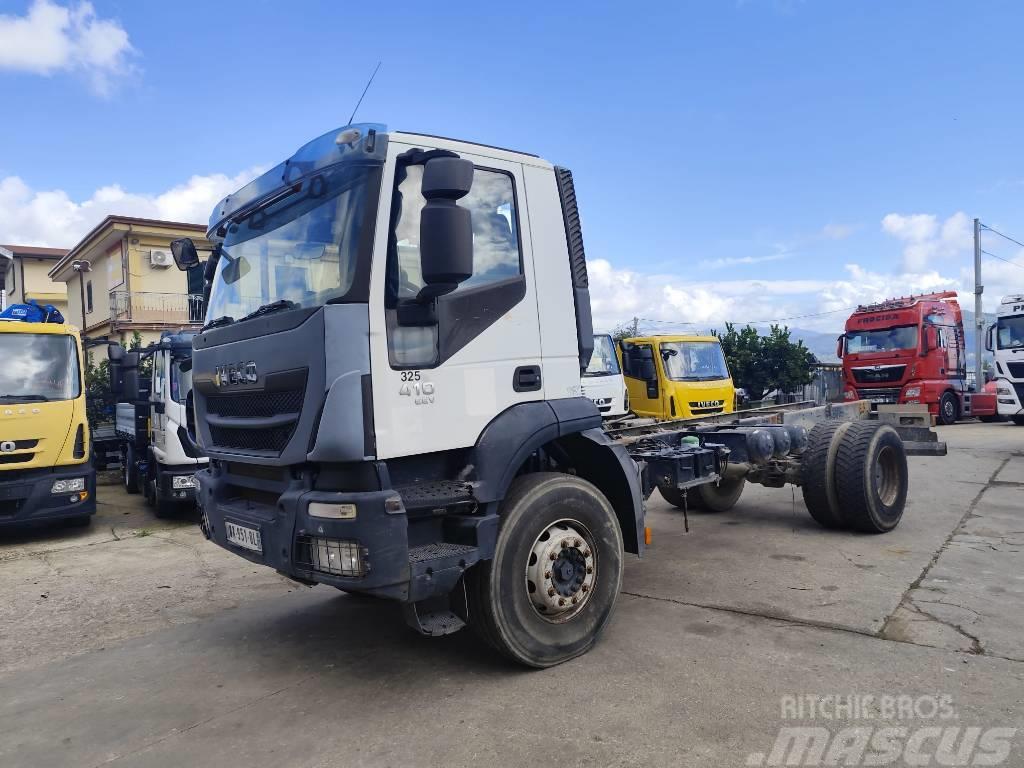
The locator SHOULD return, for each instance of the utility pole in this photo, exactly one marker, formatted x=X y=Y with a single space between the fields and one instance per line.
x=979 y=318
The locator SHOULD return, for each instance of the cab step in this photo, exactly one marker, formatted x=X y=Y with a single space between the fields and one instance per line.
x=439 y=496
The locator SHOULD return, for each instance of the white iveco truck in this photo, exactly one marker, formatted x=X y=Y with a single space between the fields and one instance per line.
x=1006 y=341
x=154 y=424
x=388 y=388
x=602 y=379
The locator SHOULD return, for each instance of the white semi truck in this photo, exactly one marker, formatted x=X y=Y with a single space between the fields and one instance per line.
x=154 y=422
x=1006 y=342
x=388 y=387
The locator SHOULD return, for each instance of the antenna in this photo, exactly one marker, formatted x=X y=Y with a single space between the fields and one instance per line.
x=368 y=82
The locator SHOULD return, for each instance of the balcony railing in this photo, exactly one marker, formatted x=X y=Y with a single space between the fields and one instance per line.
x=159 y=309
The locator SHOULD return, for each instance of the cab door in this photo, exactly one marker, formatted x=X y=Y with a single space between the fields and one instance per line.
x=640 y=370
x=156 y=398
x=442 y=371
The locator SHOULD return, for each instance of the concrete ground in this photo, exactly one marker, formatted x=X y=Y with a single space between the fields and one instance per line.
x=137 y=643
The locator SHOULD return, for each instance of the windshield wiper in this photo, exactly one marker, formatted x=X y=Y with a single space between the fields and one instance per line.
x=273 y=306
x=27 y=398
x=218 y=322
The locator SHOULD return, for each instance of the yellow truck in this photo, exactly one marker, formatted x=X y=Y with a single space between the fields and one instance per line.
x=676 y=377
x=45 y=469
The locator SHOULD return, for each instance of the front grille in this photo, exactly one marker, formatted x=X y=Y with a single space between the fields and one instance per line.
x=880 y=395
x=881 y=375
x=273 y=439
x=18 y=458
x=1016 y=370
x=254 y=405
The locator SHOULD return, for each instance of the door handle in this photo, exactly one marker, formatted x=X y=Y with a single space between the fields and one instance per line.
x=526 y=378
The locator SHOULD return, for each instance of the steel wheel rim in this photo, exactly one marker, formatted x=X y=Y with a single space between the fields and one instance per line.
x=949 y=409
x=887 y=476
x=561 y=570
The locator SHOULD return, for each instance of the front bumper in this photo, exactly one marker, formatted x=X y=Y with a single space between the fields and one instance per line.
x=286 y=528
x=1010 y=401
x=25 y=494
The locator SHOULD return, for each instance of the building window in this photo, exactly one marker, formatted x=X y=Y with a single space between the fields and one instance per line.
x=88 y=296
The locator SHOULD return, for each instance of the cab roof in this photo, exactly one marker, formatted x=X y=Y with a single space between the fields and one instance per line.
x=19 y=326
x=671 y=338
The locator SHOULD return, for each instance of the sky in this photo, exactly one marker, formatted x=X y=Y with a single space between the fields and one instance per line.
x=734 y=161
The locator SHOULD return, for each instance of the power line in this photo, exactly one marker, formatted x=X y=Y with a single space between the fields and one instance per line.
x=1012 y=263
x=996 y=231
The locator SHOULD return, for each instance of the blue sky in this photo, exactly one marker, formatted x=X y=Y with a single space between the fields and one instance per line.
x=732 y=158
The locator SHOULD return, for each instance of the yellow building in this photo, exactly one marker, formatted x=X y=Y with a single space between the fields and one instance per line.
x=27 y=275
x=121 y=279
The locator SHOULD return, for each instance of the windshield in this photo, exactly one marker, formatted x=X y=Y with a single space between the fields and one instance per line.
x=303 y=248
x=603 y=362
x=1010 y=332
x=901 y=337
x=694 y=360
x=38 y=367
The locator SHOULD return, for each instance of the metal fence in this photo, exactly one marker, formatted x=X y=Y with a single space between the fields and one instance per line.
x=151 y=308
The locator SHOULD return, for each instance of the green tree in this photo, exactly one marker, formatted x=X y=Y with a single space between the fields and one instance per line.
x=761 y=364
x=99 y=400
x=626 y=330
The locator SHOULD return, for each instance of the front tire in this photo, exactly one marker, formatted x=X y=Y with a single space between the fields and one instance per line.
x=131 y=470
x=556 y=573
x=949 y=409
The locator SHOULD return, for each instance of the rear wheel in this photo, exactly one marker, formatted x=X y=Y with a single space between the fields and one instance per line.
x=557 y=569
x=871 y=477
x=721 y=496
x=949 y=409
x=131 y=469
x=817 y=469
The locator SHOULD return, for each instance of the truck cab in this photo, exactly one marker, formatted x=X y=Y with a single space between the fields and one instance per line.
x=677 y=377
x=1006 y=340
x=602 y=380
x=911 y=350
x=45 y=470
x=155 y=423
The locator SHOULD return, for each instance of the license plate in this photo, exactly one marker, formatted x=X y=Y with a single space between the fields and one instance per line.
x=244 y=536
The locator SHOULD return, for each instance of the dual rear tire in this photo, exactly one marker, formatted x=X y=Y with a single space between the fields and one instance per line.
x=854 y=475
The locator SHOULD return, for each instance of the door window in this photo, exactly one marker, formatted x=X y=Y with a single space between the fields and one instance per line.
x=497 y=255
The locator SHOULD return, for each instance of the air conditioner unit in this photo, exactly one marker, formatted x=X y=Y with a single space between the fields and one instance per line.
x=161 y=258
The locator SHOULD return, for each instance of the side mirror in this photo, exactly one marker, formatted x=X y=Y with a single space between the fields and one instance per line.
x=130 y=376
x=115 y=368
x=234 y=270
x=989 y=338
x=929 y=340
x=185 y=253
x=446 y=230
x=839 y=346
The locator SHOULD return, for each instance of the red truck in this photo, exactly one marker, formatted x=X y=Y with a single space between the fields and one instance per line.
x=911 y=350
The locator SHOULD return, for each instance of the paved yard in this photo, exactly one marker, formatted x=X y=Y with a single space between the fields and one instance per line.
x=135 y=642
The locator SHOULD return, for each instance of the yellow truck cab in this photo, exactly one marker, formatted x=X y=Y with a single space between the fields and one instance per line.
x=676 y=377
x=45 y=471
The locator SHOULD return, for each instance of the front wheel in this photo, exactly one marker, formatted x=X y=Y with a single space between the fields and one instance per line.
x=557 y=569
x=131 y=469
x=949 y=409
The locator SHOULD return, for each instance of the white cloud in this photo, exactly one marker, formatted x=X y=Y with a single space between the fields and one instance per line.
x=52 y=218
x=837 y=231
x=52 y=38
x=926 y=239
x=733 y=261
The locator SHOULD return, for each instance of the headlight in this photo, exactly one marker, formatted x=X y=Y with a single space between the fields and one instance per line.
x=183 y=481
x=1002 y=390
x=335 y=511
x=67 y=486
x=849 y=395
x=912 y=392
